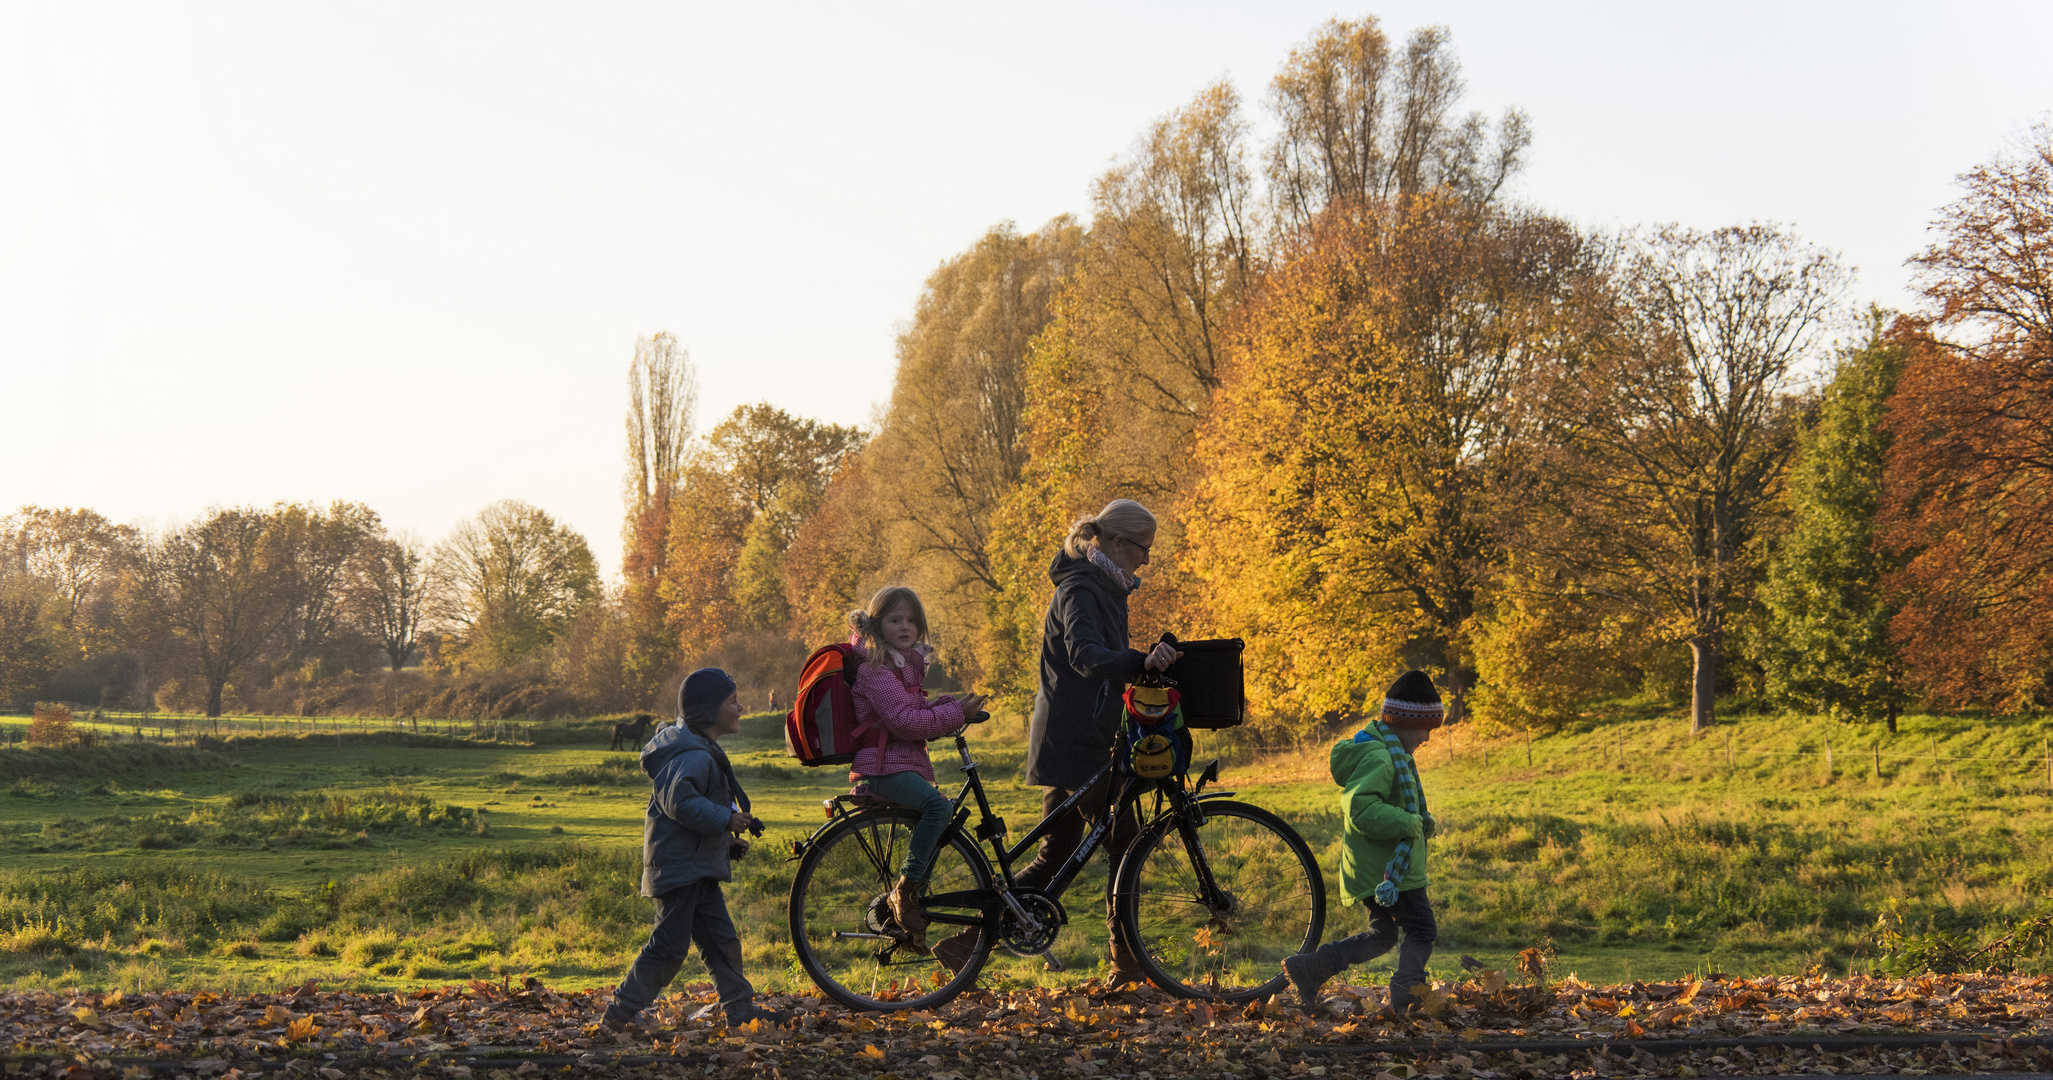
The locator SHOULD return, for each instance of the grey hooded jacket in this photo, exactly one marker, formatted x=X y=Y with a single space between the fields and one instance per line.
x=1085 y=666
x=685 y=837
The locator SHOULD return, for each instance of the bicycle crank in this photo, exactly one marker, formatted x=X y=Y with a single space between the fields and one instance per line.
x=1027 y=939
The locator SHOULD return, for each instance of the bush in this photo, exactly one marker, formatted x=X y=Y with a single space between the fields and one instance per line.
x=52 y=725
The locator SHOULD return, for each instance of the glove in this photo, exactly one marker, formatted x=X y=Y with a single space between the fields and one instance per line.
x=1432 y=826
x=1418 y=828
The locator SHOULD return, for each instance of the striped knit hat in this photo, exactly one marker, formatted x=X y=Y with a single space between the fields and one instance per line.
x=1411 y=702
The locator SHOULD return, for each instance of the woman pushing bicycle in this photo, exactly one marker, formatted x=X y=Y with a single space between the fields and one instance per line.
x=1206 y=896
x=1085 y=664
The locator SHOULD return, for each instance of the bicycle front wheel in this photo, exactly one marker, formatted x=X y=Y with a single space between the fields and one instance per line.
x=1213 y=910
x=841 y=923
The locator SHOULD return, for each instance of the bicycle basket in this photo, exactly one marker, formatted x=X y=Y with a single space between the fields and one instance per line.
x=1210 y=678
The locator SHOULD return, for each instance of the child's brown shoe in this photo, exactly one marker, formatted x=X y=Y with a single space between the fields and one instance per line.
x=905 y=907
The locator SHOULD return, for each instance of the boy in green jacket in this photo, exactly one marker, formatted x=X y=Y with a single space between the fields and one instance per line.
x=1383 y=851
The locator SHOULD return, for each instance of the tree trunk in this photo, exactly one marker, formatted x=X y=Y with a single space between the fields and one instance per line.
x=1889 y=716
x=1703 y=684
x=214 y=696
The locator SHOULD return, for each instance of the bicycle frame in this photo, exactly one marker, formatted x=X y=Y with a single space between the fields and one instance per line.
x=991 y=830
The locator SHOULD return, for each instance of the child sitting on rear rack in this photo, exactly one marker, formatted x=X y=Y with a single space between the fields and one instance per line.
x=894 y=720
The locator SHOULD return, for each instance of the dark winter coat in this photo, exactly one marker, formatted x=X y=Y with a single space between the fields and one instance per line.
x=1085 y=665
x=685 y=837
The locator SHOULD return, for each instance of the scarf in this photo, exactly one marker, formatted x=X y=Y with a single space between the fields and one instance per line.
x=1104 y=562
x=1399 y=865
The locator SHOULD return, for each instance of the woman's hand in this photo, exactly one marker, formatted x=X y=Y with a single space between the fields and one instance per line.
x=737 y=822
x=1161 y=656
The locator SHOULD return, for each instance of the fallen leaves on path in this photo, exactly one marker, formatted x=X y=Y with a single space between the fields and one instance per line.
x=1479 y=1028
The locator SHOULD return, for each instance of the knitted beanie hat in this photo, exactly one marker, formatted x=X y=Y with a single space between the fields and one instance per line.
x=702 y=694
x=1412 y=702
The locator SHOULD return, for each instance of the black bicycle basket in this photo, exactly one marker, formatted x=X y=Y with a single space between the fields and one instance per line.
x=1210 y=678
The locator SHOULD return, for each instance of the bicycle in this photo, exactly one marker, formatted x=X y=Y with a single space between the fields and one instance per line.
x=1213 y=894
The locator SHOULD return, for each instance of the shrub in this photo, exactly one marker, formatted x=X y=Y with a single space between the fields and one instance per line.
x=370 y=947
x=52 y=725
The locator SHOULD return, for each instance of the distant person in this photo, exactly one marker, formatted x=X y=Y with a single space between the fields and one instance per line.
x=773 y=701
x=890 y=692
x=1383 y=846
x=1085 y=666
x=692 y=833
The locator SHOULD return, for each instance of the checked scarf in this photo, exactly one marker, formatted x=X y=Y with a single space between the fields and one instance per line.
x=1414 y=803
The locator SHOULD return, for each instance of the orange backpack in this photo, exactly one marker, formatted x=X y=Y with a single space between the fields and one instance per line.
x=821 y=728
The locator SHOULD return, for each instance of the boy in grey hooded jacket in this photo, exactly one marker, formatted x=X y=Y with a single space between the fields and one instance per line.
x=697 y=811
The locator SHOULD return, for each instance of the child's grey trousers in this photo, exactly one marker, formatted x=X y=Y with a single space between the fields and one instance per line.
x=1412 y=921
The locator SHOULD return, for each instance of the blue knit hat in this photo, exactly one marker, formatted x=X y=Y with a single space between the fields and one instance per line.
x=702 y=694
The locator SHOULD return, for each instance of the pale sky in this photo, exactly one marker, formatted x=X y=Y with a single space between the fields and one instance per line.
x=400 y=252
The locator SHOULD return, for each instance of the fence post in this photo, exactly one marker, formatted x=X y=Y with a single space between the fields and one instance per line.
x=1828 y=757
x=1529 y=753
x=1621 y=751
x=1728 y=749
x=1935 y=753
x=1878 y=761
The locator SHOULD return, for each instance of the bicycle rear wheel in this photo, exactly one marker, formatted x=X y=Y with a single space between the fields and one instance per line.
x=1269 y=902
x=841 y=925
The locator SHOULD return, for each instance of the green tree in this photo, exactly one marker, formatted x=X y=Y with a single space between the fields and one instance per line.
x=1828 y=613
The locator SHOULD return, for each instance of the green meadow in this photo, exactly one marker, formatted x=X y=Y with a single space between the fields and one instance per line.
x=377 y=859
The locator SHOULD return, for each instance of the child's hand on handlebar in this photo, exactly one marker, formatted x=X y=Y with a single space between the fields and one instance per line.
x=1161 y=656
x=971 y=704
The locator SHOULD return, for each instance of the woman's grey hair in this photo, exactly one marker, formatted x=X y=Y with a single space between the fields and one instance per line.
x=1120 y=517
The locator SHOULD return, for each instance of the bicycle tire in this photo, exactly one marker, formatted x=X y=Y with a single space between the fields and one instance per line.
x=840 y=883
x=1192 y=950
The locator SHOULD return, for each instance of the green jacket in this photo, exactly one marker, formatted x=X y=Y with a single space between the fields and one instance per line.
x=1375 y=819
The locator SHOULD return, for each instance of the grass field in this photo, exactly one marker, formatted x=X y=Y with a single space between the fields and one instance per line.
x=381 y=859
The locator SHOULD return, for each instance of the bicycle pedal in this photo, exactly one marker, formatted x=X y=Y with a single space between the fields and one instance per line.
x=1053 y=962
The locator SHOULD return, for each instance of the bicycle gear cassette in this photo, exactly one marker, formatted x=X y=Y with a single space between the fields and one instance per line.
x=1025 y=940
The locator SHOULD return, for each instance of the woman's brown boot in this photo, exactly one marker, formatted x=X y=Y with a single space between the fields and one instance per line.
x=905 y=907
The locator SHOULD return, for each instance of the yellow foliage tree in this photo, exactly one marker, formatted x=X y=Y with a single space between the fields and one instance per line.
x=1351 y=462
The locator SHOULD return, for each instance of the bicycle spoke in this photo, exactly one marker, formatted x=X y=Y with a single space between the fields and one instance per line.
x=1269 y=903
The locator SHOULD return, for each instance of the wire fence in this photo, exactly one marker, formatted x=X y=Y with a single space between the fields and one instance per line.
x=104 y=726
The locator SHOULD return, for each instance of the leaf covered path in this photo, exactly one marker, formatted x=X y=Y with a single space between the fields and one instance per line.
x=1480 y=1028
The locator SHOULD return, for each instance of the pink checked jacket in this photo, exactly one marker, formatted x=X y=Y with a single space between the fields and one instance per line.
x=895 y=697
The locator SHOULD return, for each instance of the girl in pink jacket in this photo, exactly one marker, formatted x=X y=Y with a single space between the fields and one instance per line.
x=892 y=635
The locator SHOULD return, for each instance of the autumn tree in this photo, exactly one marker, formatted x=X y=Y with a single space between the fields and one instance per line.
x=1120 y=379
x=1969 y=483
x=510 y=580
x=1353 y=457
x=1827 y=612
x=1668 y=437
x=740 y=502
x=835 y=557
x=70 y=560
x=952 y=439
x=1359 y=123
x=389 y=587
x=314 y=549
x=219 y=591
x=662 y=409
